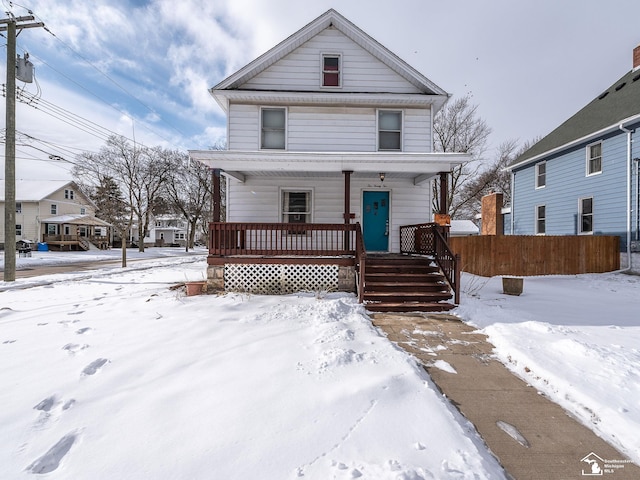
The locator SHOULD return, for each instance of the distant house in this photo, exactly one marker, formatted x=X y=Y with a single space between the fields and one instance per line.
x=56 y=213
x=164 y=231
x=582 y=178
x=330 y=150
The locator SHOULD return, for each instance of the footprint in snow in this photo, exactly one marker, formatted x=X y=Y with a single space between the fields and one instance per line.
x=76 y=313
x=73 y=348
x=6 y=342
x=94 y=366
x=51 y=460
x=82 y=331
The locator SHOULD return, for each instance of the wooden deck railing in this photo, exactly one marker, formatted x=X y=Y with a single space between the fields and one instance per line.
x=361 y=260
x=282 y=239
x=432 y=240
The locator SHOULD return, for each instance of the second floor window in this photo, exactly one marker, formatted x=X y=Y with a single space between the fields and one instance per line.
x=541 y=174
x=54 y=209
x=389 y=130
x=273 y=125
x=18 y=207
x=594 y=158
x=18 y=229
x=83 y=211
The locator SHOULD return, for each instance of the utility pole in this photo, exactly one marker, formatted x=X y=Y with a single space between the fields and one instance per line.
x=13 y=26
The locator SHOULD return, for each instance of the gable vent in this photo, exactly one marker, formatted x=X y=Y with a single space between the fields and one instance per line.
x=620 y=86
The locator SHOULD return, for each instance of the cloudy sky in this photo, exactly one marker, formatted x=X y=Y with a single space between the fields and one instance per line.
x=142 y=68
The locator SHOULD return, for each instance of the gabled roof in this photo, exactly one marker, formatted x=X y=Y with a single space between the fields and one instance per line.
x=330 y=18
x=37 y=190
x=618 y=105
x=76 y=219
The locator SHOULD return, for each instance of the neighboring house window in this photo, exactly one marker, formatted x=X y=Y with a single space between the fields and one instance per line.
x=54 y=209
x=296 y=207
x=586 y=215
x=273 y=128
x=541 y=174
x=18 y=207
x=51 y=229
x=541 y=219
x=68 y=194
x=331 y=70
x=18 y=229
x=594 y=158
x=83 y=211
x=389 y=130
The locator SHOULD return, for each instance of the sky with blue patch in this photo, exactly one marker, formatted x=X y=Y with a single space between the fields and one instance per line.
x=142 y=69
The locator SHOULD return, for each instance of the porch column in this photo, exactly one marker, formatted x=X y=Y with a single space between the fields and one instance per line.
x=215 y=197
x=444 y=193
x=347 y=206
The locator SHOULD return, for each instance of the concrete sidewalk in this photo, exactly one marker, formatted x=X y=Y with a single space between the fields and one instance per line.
x=532 y=437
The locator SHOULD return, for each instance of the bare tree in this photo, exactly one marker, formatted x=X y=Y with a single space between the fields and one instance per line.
x=139 y=172
x=189 y=192
x=458 y=128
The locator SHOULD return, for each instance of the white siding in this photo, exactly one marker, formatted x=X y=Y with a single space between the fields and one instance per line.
x=258 y=200
x=317 y=129
x=300 y=70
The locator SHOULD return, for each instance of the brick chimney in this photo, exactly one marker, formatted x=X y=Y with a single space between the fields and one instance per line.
x=492 y=214
x=636 y=57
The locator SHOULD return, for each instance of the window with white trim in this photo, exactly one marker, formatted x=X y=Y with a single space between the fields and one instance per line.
x=68 y=194
x=389 y=130
x=541 y=219
x=586 y=215
x=594 y=158
x=54 y=209
x=541 y=174
x=18 y=207
x=83 y=211
x=18 y=229
x=331 y=70
x=273 y=123
x=296 y=206
x=52 y=229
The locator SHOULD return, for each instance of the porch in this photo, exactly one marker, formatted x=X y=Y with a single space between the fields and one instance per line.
x=275 y=258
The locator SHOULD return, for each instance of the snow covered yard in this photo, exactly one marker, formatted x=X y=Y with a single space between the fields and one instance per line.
x=115 y=375
x=575 y=338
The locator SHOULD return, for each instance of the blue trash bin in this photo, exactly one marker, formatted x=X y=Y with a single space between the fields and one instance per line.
x=43 y=247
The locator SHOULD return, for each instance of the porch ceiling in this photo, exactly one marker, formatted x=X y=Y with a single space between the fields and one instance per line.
x=418 y=166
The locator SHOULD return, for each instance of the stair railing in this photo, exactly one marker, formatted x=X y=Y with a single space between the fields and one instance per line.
x=361 y=257
x=430 y=239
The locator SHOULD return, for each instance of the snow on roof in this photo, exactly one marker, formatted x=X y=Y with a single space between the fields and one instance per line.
x=463 y=227
x=77 y=220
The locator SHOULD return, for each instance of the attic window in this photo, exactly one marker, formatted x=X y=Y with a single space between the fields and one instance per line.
x=330 y=70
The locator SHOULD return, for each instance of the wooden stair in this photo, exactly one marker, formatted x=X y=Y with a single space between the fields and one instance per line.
x=403 y=283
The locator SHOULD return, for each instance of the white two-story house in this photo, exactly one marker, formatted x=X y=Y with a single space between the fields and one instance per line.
x=329 y=161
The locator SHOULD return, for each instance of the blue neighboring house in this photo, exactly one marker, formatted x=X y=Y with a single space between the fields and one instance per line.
x=582 y=178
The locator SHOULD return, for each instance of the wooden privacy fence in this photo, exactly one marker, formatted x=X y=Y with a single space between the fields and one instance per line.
x=490 y=255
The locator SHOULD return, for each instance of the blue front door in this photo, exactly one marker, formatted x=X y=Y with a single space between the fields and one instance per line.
x=375 y=221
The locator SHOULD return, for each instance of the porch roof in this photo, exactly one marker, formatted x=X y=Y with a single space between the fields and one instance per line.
x=421 y=167
x=76 y=220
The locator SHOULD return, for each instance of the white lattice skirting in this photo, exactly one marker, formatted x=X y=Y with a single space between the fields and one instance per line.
x=277 y=279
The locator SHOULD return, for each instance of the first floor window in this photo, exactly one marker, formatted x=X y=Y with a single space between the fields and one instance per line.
x=296 y=207
x=594 y=158
x=541 y=219
x=586 y=215
x=51 y=229
x=389 y=130
x=18 y=229
x=273 y=125
x=54 y=209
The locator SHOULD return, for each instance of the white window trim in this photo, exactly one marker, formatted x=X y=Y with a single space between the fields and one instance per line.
x=283 y=190
x=378 y=129
x=52 y=207
x=580 y=213
x=537 y=175
x=588 y=158
x=537 y=219
x=340 y=70
x=286 y=128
